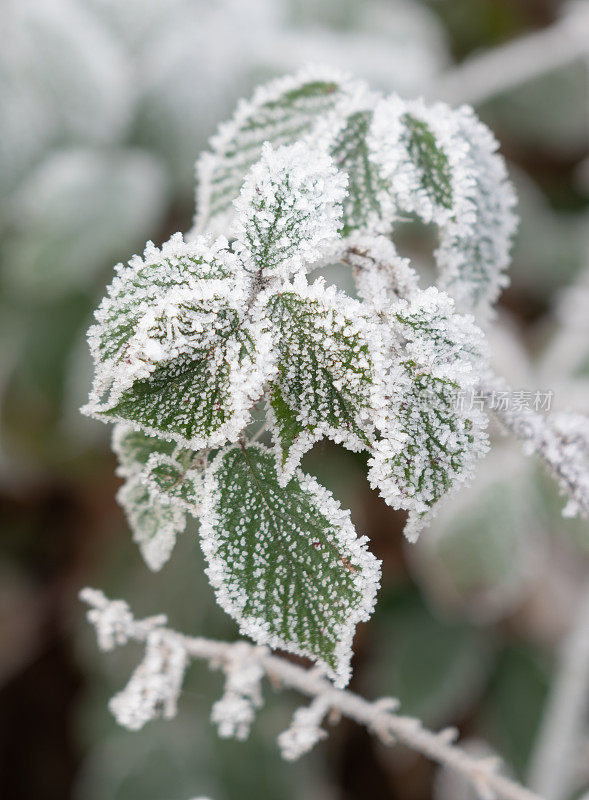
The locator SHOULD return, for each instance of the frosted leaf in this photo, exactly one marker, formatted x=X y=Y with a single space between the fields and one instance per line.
x=343 y=134
x=326 y=372
x=285 y=563
x=133 y=449
x=281 y=112
x=475 y=245
x=173 y=482
x=289 y=210
x=155 y=522
x=176 y=353
x=410 y=144
x=432 y=435
x=235 y=711
x=154 y=686
x=441 y=165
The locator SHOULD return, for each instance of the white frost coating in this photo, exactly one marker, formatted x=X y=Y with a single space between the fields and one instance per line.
x=140 y=286
x=234 y=148
x=224 y=551
x=111 y=619
x=561 y=440
x=172 y=483
x=342 y=134
x=155 y=523
x=432 y=438
x=466 y=193
x=304 y=731
x=155 y=685
x=329 y=355
x=382 y=276
x=475 y=245
x=408 y=186
x=180 y=315
x=289 y=210
x=235 y=711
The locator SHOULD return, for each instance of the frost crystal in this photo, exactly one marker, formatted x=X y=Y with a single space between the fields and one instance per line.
x=289 y=210
x=235 y=711
x=285 y=562
x=281 y=112
x=326 y=373
x=304 y=731
x=431 y=437
x=155 y=685
x=176 y=355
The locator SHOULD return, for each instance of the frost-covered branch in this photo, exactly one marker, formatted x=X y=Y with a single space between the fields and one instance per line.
x=155 y=685
x=560 y=440
x=487 y=75
x=566 y=715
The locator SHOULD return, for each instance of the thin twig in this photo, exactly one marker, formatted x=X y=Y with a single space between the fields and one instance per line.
x=489 y=74
x=564 y=722
x=377 y=716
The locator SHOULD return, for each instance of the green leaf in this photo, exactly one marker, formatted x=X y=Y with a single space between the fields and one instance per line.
x=180 y=358
x=289 y=210
x=142 y=284
x=325 y=368
x=133 y=448
x=430 y=161
x=285 y=563
x=441 y=165
x=282 y=112
x=433 y=432
x=287 y=433
x=362 y=208
x=173 y=482
x=475 y=245
x=155 y=524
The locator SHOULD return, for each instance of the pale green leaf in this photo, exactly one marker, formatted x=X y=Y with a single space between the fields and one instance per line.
x=282 y=112
x=155 y=524
x=325 y=368
x=174 y=482
x=289 y=210
x=433 y=431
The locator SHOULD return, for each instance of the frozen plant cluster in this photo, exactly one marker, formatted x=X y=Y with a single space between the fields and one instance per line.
x=196 y=341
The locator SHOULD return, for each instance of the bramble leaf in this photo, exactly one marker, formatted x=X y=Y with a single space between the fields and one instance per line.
x=433 y=433
x=440 y=164
x=289 y=210
x=325 y=369
x=133 y=449
x=155 y=524
x=281 y=112
x=285 y=563
x=174 y=482
x=182 y=357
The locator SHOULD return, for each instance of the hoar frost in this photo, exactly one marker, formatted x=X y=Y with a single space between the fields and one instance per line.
x=198 y=338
